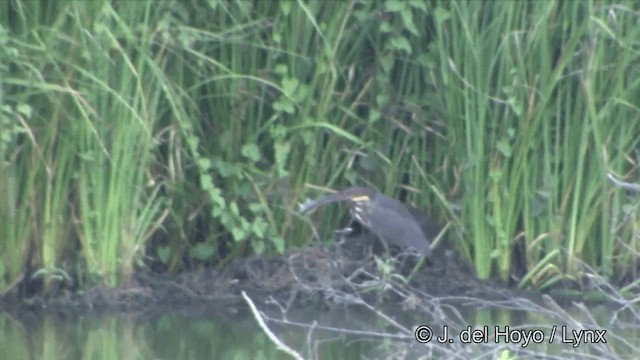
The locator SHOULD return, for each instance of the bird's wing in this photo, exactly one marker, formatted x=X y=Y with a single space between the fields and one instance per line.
x=396 y=228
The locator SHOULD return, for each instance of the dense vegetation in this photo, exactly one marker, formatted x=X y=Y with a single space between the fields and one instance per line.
x=175 y=135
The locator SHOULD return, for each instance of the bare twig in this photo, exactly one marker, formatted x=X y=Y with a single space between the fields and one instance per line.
x=624 y=185
x=279 y=344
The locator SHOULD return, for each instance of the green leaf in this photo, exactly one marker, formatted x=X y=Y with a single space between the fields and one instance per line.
x=206 y=182
x=394 y=5
x=495 y=175
x=290 y=86
x=301 y=93
x=256 y=208
x=281 y=69
x=277 y=38
x=407 y=20
x=202 y=251
x=283 y=104
x=382 y=100
x=385 y=27
x=204 y=163
x=285 y=7
x=278 y=131
x=25 y=110
x=258 y=246
x=312 y=123
x=238 y=234
x=193 y=142
x=164 y=254
x=216 y=196
x=252 y=152
x=516 y=106
x=282 y=150
x=418 y=4
x=259 y=227
x=387 y=61
x=374 y=115
x=400 y=43
x=233 y=206
x=504 y=147
x=441 y=15
x=278 y=242
x=425 y=59
x=246 y=226
x=226 y=169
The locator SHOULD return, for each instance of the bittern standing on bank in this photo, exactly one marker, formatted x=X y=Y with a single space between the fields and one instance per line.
x=387 y=218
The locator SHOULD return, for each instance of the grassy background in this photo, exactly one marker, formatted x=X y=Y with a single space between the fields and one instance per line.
x=180 y=135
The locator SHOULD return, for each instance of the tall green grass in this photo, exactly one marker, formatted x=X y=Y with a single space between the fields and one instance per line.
x=535 y=96
x=180 y=135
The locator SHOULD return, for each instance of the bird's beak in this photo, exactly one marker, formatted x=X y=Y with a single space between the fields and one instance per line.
x=309 y=205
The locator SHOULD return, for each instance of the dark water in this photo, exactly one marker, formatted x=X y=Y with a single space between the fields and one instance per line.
x=356 y=332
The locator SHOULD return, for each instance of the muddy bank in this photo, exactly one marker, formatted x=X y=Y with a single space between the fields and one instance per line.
x=322 y=276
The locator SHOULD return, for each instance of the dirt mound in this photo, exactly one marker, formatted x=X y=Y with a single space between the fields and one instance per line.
x=354 y=268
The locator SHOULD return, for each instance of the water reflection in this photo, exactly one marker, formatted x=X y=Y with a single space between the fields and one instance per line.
x=231 y=332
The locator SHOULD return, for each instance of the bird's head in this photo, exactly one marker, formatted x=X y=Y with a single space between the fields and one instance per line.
x=354 y=195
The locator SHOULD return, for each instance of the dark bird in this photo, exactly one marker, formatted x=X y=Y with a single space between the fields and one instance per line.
x=389 y=219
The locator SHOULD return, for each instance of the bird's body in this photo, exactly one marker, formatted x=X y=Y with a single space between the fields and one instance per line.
x=387 y=218
x=390 y=224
